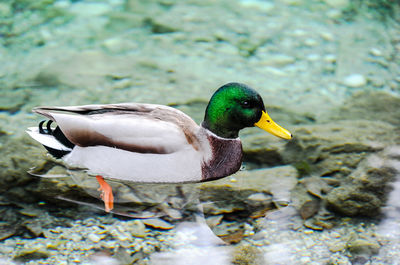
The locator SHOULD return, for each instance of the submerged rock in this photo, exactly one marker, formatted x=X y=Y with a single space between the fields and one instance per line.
x=6 y=231
x=355 y=80
x=247 y=254
x=248 y=187
x=87 y=69
x=31 y=254
x=372 y=106
x=366 y=246
x=324 y=149
x=309 y=209
x=19 y=98
x=158 y=223
x=213 y=221
x=327 y=157
x=367 y=188
x=316 y=186
x=18 y=155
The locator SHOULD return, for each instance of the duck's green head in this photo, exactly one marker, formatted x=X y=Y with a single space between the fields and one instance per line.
x=235 y=106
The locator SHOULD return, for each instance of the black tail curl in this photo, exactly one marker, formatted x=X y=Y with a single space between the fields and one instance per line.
x=58 y=135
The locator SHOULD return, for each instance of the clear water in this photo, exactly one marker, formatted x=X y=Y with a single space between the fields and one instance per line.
x=327 y=70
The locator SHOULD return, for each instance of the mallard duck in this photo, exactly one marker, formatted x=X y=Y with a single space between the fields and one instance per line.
x=151 y=143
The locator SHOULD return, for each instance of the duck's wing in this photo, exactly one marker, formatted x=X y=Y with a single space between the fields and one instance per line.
x=141 y=128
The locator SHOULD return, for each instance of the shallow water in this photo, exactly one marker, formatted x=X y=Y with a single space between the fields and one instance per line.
x=327 y=70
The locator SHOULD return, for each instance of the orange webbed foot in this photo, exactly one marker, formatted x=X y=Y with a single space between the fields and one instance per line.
x=106 y=193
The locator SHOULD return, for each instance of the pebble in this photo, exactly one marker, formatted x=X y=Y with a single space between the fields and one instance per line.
x=259 y=197
x=62 y=4
x=327 y=36
x=299 y=33
x=309 y=209
x=109 y=243
x=315 y=186
x=137 y=228
x=355 y=80
x=248 y=229
x=313 y=57
x=330 y=58
x=261 y=5
x=121 y=84
x=232 y=179
x=31 y=212
x=215 y=220
x=336 y=246
x=278 y=60
x=124 y=237
x=308 y=231
x=309 y=242
x=334 y=13
x=5 y=10
x=337 y=3
x=158 y=223
x=375 y=52
x=310 y=42
x=147 y=249
x=75 y=237
x=94 y=238
x=312 y=224
x=87 y=9
x=114 y=44
x=275 y=71
x=335 y=234
x=34 y=227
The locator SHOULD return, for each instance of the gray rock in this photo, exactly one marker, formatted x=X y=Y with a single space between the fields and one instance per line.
x=309 y=209
x=17 y=153
x=12 y=100
x=367 y=188
x=26 y=255
x=370 y=105
x=84 y=9
x=355 y=80
x=158 y=27
x=87 y=69
x=316 y=186
x=213 y=221
x=5 y=9
x=158 y=223
x=6 y=231
x=247 y=254
x=366 y=246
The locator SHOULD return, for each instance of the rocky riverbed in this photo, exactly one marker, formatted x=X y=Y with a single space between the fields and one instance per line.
x=328 y=70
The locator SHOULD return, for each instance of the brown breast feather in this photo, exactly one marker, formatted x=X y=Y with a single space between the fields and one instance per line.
x=226 y=158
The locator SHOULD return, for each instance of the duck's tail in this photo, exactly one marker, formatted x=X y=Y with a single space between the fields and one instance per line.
x=53 y=140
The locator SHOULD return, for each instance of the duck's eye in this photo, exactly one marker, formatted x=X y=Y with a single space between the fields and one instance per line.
x=246 y=104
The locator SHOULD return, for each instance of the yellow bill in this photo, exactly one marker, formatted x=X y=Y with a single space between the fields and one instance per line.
x=267 y=124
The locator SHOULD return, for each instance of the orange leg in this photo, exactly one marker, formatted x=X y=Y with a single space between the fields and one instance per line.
x=106 y=193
